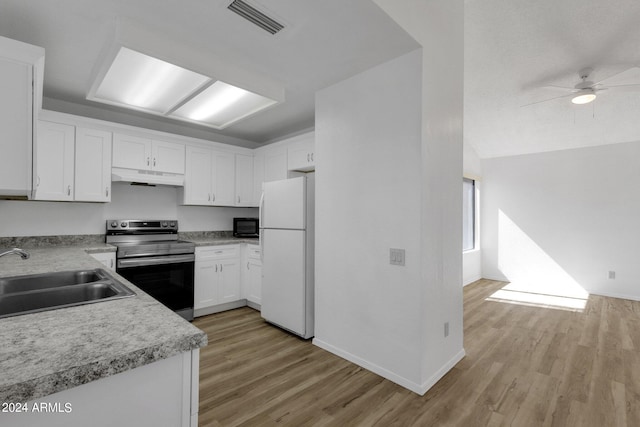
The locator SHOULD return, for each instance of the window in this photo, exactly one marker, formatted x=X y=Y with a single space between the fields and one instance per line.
x=468 y=214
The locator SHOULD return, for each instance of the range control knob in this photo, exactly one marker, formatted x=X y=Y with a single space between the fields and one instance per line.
x=114 y=224
x=172 y=224
x=165 y=224
x=123 y=224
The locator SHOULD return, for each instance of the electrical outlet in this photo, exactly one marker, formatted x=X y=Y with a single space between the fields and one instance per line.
x=612 y=274
x=396 y=256
x=446 y=329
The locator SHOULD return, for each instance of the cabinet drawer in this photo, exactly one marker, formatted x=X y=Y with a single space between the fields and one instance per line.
x=253 y=251
x=217 y=252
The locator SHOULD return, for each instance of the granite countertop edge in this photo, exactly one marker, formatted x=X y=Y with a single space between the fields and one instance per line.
x=83 y=374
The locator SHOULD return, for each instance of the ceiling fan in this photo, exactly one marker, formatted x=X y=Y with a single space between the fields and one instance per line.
x=586 y=90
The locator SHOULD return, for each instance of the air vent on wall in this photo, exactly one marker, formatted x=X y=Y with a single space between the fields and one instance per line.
x=253 y=15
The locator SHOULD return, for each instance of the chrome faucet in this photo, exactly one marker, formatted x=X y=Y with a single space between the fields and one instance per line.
x=16 y=251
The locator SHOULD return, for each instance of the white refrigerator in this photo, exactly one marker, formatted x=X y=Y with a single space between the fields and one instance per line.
x=286 y=238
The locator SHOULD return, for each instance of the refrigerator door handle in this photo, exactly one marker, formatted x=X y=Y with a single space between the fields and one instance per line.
x=260 y=208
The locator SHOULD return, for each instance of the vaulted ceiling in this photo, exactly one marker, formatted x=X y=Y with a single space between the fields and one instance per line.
x=515 y=47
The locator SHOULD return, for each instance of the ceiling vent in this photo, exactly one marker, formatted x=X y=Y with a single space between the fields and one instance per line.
x=253 y=15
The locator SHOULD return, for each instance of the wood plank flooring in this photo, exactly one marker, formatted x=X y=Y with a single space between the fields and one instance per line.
x=525 y=366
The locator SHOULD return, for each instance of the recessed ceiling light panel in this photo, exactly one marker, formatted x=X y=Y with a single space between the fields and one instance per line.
x=221 y=104
x=141 y=81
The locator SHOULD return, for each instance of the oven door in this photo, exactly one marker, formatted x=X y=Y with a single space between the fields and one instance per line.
x=169 y=279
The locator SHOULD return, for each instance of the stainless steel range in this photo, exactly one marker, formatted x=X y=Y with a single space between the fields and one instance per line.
x=151 y=257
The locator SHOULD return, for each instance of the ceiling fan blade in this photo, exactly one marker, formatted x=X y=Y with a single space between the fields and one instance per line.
x=616 y=75
x=547 y=100
x=562 y=88
x=623 y=88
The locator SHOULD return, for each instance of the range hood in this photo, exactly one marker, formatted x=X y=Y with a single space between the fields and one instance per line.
x=146 y=177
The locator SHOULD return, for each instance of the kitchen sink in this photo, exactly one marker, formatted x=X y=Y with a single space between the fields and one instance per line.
x=48 y=291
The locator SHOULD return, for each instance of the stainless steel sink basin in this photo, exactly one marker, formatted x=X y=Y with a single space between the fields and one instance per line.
x=40 y=292
x=33 y=282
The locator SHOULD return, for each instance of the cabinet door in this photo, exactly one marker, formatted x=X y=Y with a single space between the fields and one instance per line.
x=223 y=178
x=16 y=126
x=197 y=180
x=54 y=158
x=244 y=180
x=258 y=178
x=275 y=164
x=300 y=156
x=205 y=283
x=229 y=284
x=93 y=165
x=131 y=152
x=254 y=280
x=167 y=157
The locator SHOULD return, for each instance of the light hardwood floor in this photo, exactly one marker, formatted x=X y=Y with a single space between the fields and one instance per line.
x=525 y=366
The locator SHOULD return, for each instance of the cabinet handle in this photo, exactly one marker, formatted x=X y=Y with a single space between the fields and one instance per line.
x=307 y=157
x=216 y=268
x=106 y=191
x=208 y=197
x=154 y=161
x=214 y=197
x=238 y=199
x=220 y=268
x=68 y=190
x=312 y=157
x=148 y=161
x=38 y=184
x=247 y=265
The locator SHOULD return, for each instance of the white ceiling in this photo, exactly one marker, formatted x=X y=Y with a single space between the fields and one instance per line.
x=513 y=47
x=323 y=42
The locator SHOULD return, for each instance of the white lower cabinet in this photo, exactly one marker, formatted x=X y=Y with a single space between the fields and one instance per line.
x=106 y=258
x=217 y=279
x=253 y=276
x=227 y=277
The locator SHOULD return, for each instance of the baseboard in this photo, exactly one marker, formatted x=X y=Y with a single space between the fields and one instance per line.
x=442 y=372
x=404 y=382
x=254 y=305
x=614 y=295
x=220 y=307
x=473 y=279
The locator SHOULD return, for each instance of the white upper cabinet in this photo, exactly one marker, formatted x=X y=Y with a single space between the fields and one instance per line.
x=244 y=181
x=258 y=177
x=197 y=179
x=92 y=165
x=209 y=178
x=223 y=178
x=72 y=164
x=132 y=152
x=54 y=162
x=21 y=67
x=167 y=157
x=300 y=154
x=275 y=164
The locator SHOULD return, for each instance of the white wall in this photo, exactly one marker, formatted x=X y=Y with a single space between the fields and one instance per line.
x=472 y=260
x=34 y=218
x=368 y=201
x=565 y=218
x=388 y=170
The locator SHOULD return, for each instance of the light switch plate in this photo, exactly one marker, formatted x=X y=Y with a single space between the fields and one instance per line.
x=396 y=256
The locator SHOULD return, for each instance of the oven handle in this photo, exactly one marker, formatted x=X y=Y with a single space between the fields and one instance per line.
x=139 y=262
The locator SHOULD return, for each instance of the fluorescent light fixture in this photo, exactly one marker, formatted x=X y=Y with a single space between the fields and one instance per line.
x=221 y=104
x=585 y=96
x=141 y=81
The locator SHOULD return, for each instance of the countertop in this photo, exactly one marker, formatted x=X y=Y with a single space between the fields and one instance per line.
x=43 y=353
x=214 y=241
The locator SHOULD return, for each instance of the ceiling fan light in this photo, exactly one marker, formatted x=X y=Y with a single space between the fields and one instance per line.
x=584 y=98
